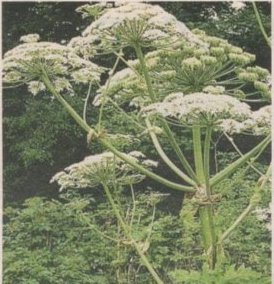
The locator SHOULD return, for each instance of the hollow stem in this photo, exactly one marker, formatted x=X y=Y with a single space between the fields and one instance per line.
x=128 y=235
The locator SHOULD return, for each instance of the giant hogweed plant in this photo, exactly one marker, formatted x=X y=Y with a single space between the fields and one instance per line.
x=179 y=78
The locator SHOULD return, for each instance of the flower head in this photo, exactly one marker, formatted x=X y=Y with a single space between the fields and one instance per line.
x=101 y=168
x=28 y=62
x=30 y=38
x=128 y=23
x=259 y=123
x=200 y=109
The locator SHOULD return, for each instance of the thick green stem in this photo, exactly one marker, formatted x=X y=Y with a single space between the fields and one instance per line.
x=164 y=124
x=178 y=151
x=141 y=58
x=145 y=171
x=110 y=147
x=207 y=157
x=238 y=163
x=65 y=104
x=205 y=210
x=165 y=158
x=208 y=233
x=261 y=24
x=198 y=157
x=128 y=235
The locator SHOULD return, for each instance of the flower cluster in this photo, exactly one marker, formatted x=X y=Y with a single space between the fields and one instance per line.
x=128 y=23
x=102 y=168
x=188 y=68
x=30 y=38
x=259 y=123
x=199 y=108
x=27 y=63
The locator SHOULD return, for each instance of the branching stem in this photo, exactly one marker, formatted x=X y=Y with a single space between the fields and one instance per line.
x=128 y=235
x=165 y=158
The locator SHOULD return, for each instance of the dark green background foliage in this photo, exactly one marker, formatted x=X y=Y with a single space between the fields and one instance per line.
x=51 y=239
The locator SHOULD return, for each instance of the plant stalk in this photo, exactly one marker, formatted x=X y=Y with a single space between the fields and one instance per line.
x=198 y=156
x=238 y=163
x=128 y=235
x=258 y=18
x=165 y=158
x=254 y=200
x=207 y=158
x=164 y=124
x=205 y=208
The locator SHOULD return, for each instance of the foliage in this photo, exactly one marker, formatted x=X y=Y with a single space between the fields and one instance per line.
x=229 y=275
x=50 y=241
x=64 y=241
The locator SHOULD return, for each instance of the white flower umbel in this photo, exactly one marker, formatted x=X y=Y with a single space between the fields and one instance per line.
x=200 y=109
x=101 y=168
x=26 y=62
x=259 y=123
x=35 y=87
x=129 y=20
x=30 y=38
x=262 y=121
x=231 y=126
